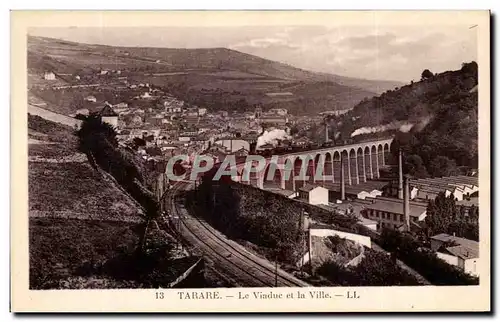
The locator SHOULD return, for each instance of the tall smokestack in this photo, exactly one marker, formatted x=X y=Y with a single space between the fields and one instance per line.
x=400 y=170
x=342 y=179
x=406 y=207
x=326 y=132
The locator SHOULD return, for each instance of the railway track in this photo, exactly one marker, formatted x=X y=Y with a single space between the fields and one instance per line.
x=240 y=265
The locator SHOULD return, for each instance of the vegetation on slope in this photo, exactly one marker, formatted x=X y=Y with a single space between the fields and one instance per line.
x=424 y=261
x=376 y=269
x=445 y=110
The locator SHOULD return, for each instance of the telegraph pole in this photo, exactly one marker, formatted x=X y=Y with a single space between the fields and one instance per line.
x=310 y=250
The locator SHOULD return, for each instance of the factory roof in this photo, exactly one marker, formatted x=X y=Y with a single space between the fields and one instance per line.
x=459 y=180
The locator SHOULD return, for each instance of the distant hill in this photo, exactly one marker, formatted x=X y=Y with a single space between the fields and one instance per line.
x=444 y=112
x=194 y=74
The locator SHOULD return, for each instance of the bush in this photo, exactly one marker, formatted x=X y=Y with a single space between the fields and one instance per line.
x=376 y=269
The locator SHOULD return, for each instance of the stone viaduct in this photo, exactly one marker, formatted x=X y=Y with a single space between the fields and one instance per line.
x=345 y=164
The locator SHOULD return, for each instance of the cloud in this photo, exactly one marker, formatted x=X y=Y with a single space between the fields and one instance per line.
x=372 y=52
x=264 y=43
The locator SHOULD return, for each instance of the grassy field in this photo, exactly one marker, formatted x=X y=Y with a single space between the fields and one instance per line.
x=76 y=189
x=60 y=248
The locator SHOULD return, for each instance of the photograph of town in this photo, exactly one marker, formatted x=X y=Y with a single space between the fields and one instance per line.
x=253 y=156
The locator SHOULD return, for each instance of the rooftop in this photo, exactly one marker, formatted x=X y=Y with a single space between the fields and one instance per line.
x=283 y=192
x=466 y=248
x=463 y=252
x=309 y=187
x=107 y=110
x=396 y=207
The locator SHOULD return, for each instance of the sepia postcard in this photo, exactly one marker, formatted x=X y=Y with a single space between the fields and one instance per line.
x=250 y=161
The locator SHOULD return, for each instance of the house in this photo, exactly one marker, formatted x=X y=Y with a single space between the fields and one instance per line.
x=202 y=111
x=363 y=190
x=120 y=105
x=49 y=76
x=278 y=111
x=274 y=119
x=241 y=152
x=90 y=98
x=192 y=111
x=83 y=111
x=314 y=195
x=234 y=145
x=146 y=95
x=104 y=72
x=108 y=115
x=457 y=251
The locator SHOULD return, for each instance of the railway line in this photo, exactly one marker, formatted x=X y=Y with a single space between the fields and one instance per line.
x=231 y=259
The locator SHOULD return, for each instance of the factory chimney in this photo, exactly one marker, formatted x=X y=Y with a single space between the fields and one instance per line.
x=400 y=170
x=406 y=206
x=342 y=178
x=326 y=132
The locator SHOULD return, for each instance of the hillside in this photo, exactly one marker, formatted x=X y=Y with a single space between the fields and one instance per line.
x=444 y=112
x=219 y=78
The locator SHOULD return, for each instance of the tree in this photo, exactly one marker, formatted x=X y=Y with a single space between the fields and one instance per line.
x=426 y=74
x=442 y=166
x=415 y=167
x=469 y=68
x=138 y=142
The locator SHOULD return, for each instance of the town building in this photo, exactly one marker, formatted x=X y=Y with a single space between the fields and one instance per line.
x=457 y=251
x=83 y=111
x=108 y=115
x=49 y=76
x=274 y=120
x=120 y=105
x=363 y=190
x=314 y=195
x=232 y=145
x=91 y=98
x=202 y=111
x=400 y=214
x=278 y=111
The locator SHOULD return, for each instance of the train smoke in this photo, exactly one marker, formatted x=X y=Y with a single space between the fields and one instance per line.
x=422 y=124
x=403 y=126
x=272 y=137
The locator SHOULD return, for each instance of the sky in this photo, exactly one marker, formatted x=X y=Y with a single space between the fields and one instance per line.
x=398 y=53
